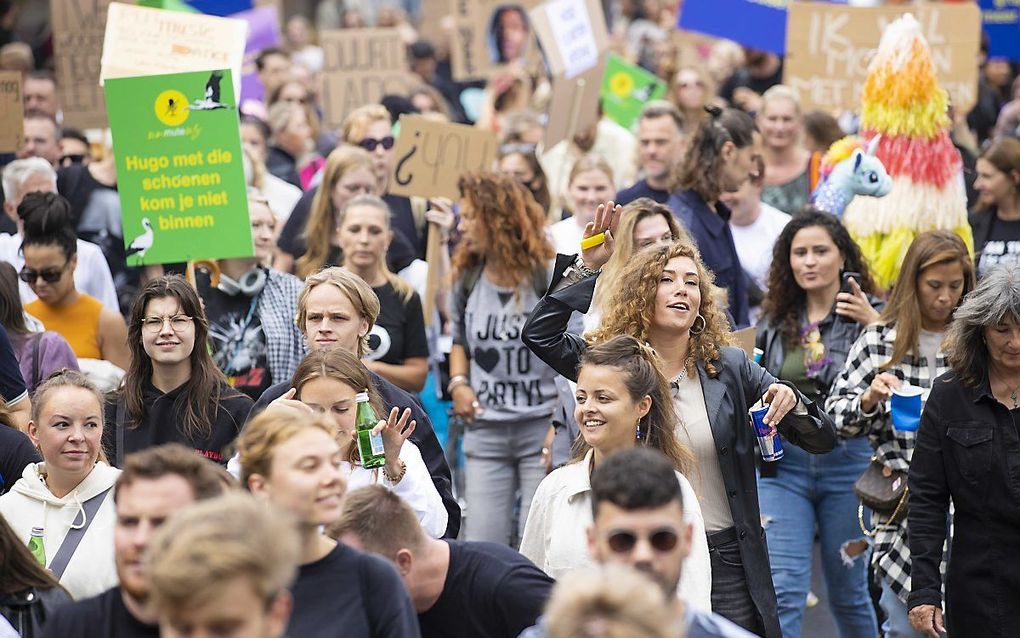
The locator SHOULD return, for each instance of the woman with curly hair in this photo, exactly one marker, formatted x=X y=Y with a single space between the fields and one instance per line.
x=667 y=298
x=499 y=272
x=810 y=321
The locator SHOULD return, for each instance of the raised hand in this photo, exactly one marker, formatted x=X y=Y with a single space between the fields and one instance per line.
x=607 y=217
x=395 y=430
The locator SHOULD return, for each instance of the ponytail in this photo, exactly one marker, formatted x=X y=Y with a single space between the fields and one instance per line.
x=701 y=167
x=48 y=221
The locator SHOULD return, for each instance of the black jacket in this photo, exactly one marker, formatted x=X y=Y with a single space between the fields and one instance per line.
x=738 y=385
x=28 y=611
x=283 y=165
x=424 y=436
x=967 y=450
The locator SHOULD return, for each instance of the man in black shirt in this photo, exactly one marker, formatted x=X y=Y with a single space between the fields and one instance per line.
x=153 y=485
x=661 y=146
x=459 y=588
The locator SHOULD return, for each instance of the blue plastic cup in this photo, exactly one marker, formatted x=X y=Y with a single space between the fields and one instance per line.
x=905 y=406
x=769 y=444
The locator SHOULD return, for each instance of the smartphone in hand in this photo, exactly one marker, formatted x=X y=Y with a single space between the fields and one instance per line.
x=845 y=284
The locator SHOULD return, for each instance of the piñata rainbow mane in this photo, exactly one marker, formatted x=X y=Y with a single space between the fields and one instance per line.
x=840 y=150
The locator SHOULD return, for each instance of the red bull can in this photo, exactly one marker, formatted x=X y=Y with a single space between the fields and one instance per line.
x=769 y=444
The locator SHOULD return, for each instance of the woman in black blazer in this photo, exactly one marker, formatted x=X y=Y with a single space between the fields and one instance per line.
x=667 y=298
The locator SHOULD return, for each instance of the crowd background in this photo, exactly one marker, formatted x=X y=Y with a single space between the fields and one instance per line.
x=507 y=418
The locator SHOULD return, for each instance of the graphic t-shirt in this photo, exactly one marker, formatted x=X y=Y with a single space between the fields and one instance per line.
x=399 y=332
x=1002 y=247
x=238 y=341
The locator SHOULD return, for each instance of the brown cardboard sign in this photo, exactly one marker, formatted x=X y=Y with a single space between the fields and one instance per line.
x=573 y=34
x=490 y=34
x=12 y=114
x=431 y=156
x=828 y=48
x=573 y=106
x=78 y=28
x=360 y=66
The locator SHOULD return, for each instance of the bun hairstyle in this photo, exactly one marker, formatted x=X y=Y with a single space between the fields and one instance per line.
x=48 y=221
x=700 y=170
x=641 y=373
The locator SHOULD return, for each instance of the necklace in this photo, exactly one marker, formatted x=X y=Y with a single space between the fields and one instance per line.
x=683 y=373
x=1012 y=393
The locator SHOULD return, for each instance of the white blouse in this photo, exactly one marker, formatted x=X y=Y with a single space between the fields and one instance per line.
x=556 y=531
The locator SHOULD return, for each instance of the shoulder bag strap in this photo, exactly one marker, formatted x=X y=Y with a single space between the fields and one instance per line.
x=75 y=534
x=118 y=451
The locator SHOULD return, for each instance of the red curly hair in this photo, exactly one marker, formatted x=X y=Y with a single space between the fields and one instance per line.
x=514 y=226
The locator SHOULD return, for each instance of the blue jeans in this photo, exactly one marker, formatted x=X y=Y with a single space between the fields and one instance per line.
x=897 y=624
x=816 y=490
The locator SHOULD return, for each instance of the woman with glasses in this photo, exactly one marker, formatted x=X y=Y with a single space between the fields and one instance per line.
x=623 y=401
x=173 y=392
x=692 y=91
x=50 y=248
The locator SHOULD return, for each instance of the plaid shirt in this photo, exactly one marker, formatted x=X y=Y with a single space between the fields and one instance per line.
x=891 y=556
x=285 y=345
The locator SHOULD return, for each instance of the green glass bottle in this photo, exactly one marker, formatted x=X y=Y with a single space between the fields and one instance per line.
x=36 y=546
x=370 y=446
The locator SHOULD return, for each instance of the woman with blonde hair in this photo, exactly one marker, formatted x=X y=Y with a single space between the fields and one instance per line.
x=590 y=183
x=328 y=382
x=499 y=271
x=290 y=458
x=307 y=244
x=622 y=401
x=903 y=349
x=691 y=91
x=787 y=178
x=65 y=500
x=290 y=143
x=667 y=298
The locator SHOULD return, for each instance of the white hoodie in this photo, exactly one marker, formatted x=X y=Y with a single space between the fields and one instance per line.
x=92 y=569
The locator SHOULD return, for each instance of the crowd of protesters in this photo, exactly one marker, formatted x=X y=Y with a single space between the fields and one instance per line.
x=563 y=420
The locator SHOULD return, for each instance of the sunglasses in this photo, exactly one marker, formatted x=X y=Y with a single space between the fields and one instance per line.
x=663 y=540
x=50 y=275
x=691 y=85
x=68 y=160
x=370 y=144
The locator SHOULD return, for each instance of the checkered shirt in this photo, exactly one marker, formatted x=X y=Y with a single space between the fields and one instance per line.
x=285 y=345
x=891 y=556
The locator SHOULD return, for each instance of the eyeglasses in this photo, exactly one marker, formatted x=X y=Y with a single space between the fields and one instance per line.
x=690 y=85
x=49 y=275
x=178 y=323
x=370 y=143
x=663 y=540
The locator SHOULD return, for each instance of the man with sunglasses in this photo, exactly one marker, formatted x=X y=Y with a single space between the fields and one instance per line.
x=638 y=522
x=459 y=588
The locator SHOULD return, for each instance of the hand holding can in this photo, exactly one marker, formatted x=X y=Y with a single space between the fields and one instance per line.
x=768 y=436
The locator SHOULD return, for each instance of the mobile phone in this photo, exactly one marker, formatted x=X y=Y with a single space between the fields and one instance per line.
x=845 y=285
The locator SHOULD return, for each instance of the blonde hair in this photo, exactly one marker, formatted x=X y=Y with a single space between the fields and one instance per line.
x=273 y=427
x=630 y=216
x=208 y=544
x=631 y=305
x=355 y=125
x=280 y=115
x=590 y=162
x=610 y=601
x=322 y=218
x=781 y=92
x=403 y=288
x=359 y=293
x=65 y=378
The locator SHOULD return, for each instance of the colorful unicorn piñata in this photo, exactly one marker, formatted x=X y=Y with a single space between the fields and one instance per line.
x=849 y=169
x=904 y=104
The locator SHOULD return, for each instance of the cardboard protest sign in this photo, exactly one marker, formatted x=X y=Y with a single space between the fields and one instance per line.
x=574 y=104
x=744 y=339
x=753 y=23
x=625 y=90
x=143 y=41
x=12 y=113
x=263 y=32
x=78 y=28
x=359 y=67
x=1001 y=21
x=431 y=156
x=829 y=47
x=693 y=49
x=489 y=34
x=573 y=34
x=179 y=170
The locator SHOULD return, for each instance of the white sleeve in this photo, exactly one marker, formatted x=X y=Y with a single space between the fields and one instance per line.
x=418 y=491
x=97 y=280
x=533 y=540
x=696 y=578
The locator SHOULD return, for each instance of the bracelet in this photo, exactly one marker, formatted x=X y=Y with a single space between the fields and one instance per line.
x=395 y=479
x=456 y=381
x=582 y=268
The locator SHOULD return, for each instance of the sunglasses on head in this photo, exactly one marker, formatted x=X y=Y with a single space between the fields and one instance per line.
x=50 y=275
x=663 y=540
x=370 y=143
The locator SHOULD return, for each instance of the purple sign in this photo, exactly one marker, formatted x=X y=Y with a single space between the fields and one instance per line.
x=263 y=32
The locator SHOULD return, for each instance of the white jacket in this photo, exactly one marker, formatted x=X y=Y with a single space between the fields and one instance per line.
x=555 y=536
x=30 y=503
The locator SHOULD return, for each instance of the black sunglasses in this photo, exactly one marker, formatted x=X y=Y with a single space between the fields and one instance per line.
x=663 y=540
x=50 y=275
x=370 y=143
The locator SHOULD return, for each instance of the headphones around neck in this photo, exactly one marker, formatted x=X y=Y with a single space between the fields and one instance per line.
x=250 y=284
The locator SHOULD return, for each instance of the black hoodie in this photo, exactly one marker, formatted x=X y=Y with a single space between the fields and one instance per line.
x=162 y=420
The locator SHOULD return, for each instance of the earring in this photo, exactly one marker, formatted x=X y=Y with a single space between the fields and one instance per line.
x=704 y=324
x=638 y=435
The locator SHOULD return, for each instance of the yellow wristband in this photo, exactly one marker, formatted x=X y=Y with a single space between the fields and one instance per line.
x=593 y=241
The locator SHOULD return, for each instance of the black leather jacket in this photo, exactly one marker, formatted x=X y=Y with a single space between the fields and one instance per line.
x=738 y=384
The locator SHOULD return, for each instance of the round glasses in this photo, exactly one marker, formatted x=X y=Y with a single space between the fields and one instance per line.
x=663 y=540
x=178 y=323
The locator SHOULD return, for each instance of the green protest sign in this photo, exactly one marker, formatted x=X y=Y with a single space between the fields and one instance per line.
x=179 y=167
x=625 y=90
